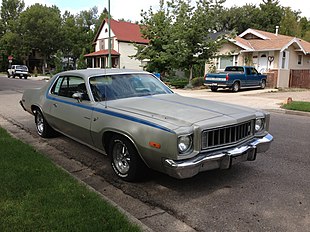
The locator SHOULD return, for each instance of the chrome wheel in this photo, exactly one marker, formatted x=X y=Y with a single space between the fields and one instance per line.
x=43 y=128
x=121 y=157
x=125 y=160
x=39 y=123
x=236 y=87
x=263 y=84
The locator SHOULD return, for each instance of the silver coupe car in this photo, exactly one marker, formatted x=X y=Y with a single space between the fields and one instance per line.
x=140 y=123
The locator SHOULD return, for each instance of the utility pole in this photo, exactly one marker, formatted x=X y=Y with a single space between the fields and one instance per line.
x=109 y=40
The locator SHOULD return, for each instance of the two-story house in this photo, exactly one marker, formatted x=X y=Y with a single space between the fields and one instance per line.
x=123 y=37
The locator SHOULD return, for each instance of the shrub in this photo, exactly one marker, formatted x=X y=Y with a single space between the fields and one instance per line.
x=177 y=82
x=198 y=81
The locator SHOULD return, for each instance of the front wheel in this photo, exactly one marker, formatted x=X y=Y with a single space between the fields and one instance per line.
x=263 y=84
x=125 y=160
x=43 y=128
x=236 y=87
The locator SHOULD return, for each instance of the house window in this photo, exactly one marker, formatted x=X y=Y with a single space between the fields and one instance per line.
x=102 y=44
x=299 y=59
x=226 y=61
x=283 y=59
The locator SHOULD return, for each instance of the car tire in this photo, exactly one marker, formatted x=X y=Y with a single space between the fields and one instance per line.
x=236 y=87
x=25 y=77
x=9 y=75
x=43 y=128
x=125 y=160
x=263 y=84
x=213 y=89
x=13 y=76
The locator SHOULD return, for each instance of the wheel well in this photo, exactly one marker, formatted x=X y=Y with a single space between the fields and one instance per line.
x=107 y=136
x=237 y=81
x=34 y=108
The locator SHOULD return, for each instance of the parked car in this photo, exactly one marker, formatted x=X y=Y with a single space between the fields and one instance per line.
x=235 y=78
x=18 y=71
x=140 y=123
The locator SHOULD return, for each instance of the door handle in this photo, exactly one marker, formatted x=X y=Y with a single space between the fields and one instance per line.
x=55 y=105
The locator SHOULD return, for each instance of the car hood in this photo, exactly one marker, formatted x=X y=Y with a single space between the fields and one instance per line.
x=178 y=110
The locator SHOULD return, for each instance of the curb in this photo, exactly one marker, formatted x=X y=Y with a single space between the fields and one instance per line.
x=291 y=112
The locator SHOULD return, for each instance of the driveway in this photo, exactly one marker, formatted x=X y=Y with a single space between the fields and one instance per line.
x=268 y=99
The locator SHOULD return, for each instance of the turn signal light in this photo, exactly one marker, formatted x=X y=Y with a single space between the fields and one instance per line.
x=155 y=145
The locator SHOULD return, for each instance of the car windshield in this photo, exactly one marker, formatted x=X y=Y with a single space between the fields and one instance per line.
x=21 y=67
x=111 y=87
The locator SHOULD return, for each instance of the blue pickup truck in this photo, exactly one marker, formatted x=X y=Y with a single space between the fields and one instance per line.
x=235 y=78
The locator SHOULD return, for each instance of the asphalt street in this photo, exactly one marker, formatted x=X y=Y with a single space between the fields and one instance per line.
x=269 y=194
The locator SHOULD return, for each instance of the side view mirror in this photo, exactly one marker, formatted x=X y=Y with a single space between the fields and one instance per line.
x=78 y=96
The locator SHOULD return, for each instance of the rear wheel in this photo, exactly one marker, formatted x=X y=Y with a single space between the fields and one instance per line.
x=213 y=89
x=236 y=87
x=43 y=128
x=125 y=160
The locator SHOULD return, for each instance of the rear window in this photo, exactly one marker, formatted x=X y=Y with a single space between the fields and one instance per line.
x=234 y=69
x=22 y=67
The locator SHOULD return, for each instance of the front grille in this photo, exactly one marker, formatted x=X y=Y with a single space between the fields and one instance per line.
x=228 y=135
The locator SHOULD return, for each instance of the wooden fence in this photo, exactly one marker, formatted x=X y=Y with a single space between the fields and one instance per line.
x=300 y=78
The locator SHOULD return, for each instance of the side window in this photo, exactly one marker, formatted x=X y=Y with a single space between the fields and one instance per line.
x=56 y=87
x=67 y=86
x=248 y=71
x=254 y=71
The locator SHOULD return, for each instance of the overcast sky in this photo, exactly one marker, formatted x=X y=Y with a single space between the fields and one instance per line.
x=130 y=9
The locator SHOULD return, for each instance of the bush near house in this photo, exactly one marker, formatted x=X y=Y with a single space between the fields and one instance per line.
x=177 y=82
x=197 y=82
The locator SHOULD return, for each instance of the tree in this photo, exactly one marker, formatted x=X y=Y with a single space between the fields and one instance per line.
x=239 y=18
x=289 y=23
x=270 y=15
x=178 y=36
x=10 y=11
x=40 y=29
x=157 y=29
x=11 y=43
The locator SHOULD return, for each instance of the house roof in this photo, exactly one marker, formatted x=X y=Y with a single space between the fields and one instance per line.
x=124 y=31
x=257 y=40
x=102 y=53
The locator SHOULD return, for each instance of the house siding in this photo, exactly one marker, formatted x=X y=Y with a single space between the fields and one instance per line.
x=126 y=50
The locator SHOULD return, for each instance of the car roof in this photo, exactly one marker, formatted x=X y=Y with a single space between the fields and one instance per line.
x=96 y=72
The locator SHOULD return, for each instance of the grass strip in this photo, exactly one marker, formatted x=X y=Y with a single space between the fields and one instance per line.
x=298 y=105
x=35 y=195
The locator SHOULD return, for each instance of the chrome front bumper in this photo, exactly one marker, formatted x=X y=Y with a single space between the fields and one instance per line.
x=224 y=160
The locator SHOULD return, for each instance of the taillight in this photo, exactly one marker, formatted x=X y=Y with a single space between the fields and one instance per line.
x=227 y=77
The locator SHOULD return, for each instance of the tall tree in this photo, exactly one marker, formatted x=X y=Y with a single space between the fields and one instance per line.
x=289 y=23
x=270 y=15
x=10 y=40
x=10 y=11
x=157 y=29
x=40 y=27
x=239 y=18
x=178 y=35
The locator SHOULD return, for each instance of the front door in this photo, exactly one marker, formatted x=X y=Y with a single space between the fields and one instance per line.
x=262 y=62
x=66 y=114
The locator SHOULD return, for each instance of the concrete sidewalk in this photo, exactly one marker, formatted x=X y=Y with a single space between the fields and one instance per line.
x=39 y=78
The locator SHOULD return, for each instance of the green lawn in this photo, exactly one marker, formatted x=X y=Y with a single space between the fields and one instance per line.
x=298 y=105
x=35 y=195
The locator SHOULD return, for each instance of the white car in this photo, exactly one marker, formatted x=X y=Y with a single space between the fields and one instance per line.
x=19 y=71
